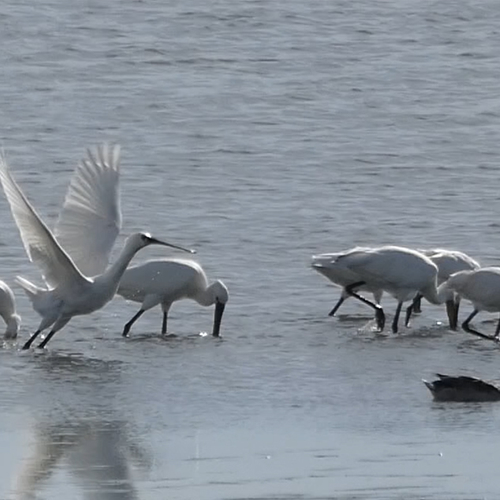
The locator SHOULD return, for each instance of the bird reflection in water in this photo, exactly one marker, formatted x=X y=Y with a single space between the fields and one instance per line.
x=98 y=456
x=85 y=440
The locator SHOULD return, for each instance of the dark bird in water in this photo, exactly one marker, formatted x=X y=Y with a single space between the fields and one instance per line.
x=462 y=388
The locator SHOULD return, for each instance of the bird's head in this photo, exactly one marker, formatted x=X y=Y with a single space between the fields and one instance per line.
x=13 y=324
x=141 y=240
x=220 y=292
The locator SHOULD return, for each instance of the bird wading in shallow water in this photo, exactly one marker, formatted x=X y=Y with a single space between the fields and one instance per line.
x=8 y=311
x=448 y=263
x=89 y=230
x=163 y=282
x=482 y=288
x=324 y=264
x=401 y=272
x=70 y=292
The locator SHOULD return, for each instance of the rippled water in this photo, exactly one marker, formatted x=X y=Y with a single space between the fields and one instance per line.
x=260 y=133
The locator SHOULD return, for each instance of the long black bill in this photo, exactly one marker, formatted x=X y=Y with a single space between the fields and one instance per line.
x=177 y=247
x=219 y=311
x=452 y=312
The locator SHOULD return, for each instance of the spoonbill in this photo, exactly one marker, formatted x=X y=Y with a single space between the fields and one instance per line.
x=166 y=281
x=401 y=272
x=448 y=263
x=70 y=292
x=462 y=388
x=324 y=264
x=482 y=288
x=8 y=311
x=88 y=236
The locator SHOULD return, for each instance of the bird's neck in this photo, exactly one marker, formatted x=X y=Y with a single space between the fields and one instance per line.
x=206 y=297
x=437 y=295
x=13 y=323
x=115 y=271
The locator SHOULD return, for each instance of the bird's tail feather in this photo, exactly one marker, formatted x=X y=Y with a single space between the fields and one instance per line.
x=31 y=290
x=38 y=296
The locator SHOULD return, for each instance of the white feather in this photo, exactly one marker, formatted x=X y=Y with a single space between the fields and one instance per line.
x=90 y=219
x=42 y=248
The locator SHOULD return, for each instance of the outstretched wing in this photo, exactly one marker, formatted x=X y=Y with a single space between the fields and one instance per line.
x=90 y=219
x=42 y=248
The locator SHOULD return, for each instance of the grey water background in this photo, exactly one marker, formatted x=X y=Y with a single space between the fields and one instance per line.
x=259 y=133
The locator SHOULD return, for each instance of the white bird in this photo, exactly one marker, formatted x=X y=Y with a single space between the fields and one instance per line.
x=448 y=263
x=89 y=238
x=482 y=288
x=401 y=272
x=70 y=292
x=324 y=264
x=8 y=311
x=167 y=281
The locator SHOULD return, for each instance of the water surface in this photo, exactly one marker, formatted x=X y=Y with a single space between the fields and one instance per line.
x=259 y=133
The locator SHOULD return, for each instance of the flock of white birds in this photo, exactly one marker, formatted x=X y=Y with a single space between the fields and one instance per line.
x=74 y=258
x=438 y=275
x=78 y=278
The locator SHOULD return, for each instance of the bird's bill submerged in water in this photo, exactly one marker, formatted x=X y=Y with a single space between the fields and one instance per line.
x=452 y=312
x=219 y=311
x=155 y=241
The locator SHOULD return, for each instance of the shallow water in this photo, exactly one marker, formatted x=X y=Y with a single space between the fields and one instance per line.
x=259 y=133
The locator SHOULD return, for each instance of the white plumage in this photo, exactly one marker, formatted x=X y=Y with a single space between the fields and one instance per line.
x=324 y=264
x=90 y=219
x=482 y=288
x=88 y=226
x=8 y=311
x=70 y=293
x=448 y=263
x=163 y=282
x=401 y=272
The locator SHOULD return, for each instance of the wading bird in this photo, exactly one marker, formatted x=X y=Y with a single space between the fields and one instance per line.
x=167 y=281
x=482 y=288
x=324 y=264
x=448 y=263
x=89 y=233
x=401 y=272
x=8 y=311
x=70 y=292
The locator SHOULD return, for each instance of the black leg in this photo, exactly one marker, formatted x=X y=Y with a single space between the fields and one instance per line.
x=497 y=331
x=396 y=318
x=31 y=340
x=46 y=339
x=336 y=307
x=452 y=311
x=164 y=324
x=409 y=310
x=128 y=326
x=417 y=304
x=379 y=312
x=414 y=307
x=467 y=328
